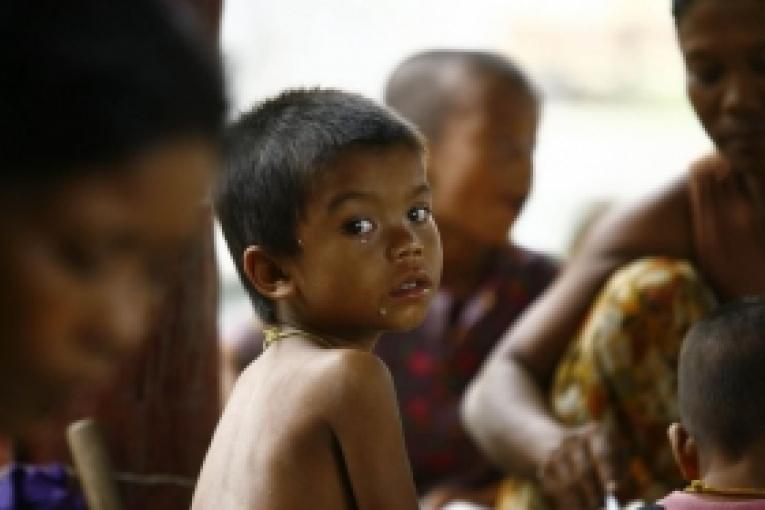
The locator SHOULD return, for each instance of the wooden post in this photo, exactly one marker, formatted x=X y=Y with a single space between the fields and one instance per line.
x=93 y=465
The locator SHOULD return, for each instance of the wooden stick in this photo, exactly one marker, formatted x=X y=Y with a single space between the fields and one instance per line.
x=91 y=461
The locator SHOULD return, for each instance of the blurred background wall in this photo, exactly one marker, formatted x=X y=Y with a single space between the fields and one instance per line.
x=615 y=124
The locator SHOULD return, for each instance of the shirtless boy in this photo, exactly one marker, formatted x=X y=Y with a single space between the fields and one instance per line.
x=326 y=210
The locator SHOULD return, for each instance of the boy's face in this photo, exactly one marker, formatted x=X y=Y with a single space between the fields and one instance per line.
x=482 y=164
x=371 y=255
x=83 y=264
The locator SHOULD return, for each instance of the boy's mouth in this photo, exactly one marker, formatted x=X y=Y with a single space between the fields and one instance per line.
x=414 y=286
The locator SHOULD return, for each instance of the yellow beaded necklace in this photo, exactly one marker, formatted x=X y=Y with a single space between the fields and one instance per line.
x=276 y=333
x=699 y=487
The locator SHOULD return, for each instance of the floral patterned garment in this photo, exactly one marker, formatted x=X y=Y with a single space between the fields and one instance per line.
x=433 y=364
x=622 y=371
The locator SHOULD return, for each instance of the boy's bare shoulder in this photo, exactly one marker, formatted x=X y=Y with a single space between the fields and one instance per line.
x=350 y=379
x=326 y=378
x=349 y=371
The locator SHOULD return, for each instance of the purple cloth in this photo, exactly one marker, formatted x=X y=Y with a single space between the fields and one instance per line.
x=433 y=364
x=684 y=501
x=38 y=487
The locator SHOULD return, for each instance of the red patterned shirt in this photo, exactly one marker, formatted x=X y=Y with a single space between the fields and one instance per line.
x=433 y=364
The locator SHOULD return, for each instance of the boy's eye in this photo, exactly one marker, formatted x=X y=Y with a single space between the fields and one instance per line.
x=419 y=214
x=358 y=226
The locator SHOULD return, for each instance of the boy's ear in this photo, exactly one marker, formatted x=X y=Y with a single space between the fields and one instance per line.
x=685 y=451
x=265 y=274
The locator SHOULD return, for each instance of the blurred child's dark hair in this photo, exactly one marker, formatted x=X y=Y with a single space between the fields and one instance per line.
x=273 y=154
x=423 y=88
x=89 y=82
x=721 y=387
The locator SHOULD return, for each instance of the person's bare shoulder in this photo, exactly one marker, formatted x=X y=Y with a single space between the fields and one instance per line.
x=659 y=224
x=362 y=411
x=349 y=379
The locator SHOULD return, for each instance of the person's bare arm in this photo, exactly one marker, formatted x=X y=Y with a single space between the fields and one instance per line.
x=368 y=427
x=506 y=407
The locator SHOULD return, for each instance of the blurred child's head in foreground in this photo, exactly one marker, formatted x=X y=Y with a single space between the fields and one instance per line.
x=109 y=126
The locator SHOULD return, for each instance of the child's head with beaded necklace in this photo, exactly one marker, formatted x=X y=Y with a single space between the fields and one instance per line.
x=721 y=394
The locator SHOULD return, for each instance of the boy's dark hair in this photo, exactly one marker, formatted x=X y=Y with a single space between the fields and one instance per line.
x=680 y=7
x=273 y=154
x=423 y=87
x=721 y=388
x=89 y=82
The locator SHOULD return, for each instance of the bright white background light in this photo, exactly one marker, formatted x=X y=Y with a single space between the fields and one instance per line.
x=615 y=124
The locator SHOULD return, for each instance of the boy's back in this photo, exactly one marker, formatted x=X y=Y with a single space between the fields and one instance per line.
x=326 y=209
x=283 y=440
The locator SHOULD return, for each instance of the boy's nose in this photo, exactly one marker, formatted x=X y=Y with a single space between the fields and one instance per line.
x=405 y=244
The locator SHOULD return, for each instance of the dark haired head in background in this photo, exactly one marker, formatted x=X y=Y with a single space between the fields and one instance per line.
x=480 y=114
x=424 y=88
x=721 y=389
x=276 y=151
x=109 y=132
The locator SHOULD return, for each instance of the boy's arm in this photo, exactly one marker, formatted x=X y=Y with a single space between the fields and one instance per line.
x=366 y=420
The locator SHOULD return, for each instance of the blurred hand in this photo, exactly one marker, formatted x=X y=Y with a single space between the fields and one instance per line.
x=586 y=464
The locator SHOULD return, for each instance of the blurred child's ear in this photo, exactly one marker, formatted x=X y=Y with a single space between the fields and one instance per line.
x=265 y=274
x=685 y=451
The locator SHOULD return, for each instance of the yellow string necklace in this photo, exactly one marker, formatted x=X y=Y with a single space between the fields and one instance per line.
x=699 y=487
x=274 y=334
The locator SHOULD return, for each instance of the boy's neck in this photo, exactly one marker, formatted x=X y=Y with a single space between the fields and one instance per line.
x=360 y=340
x=465 y=260
x=747 y=472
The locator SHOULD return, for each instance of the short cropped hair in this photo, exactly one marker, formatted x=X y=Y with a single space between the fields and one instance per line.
x=87 y=83
x=721 y=387
x=273 y=154
x=423 y=87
